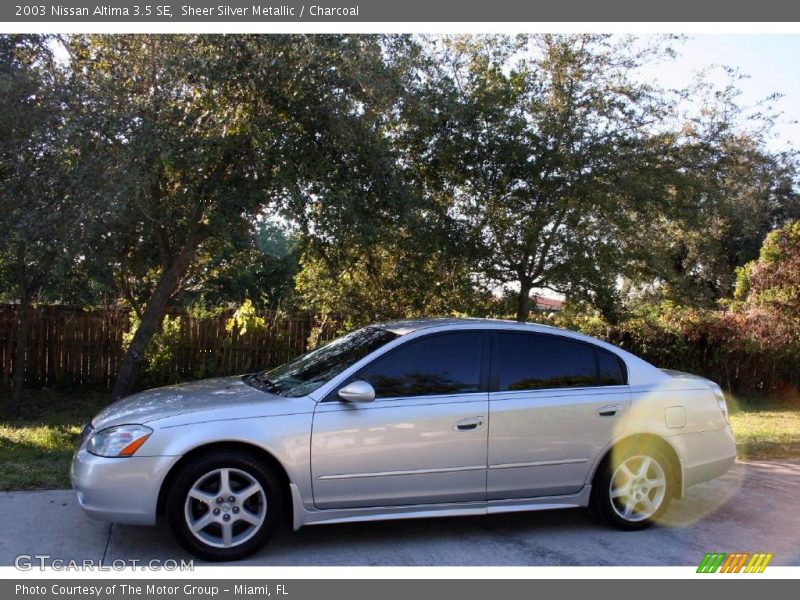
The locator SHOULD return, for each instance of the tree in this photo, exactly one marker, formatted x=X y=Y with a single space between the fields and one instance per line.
x=199 y=135
x=772 y=282
x=549 y=151
x=259 y=266
x=737 y=189
x=40 y=219
x=412 y=273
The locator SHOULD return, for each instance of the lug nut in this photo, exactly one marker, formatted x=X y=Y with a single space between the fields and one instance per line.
x=231 y=499
x=226 y=517
x=235 y=509
x=216 y=511
x=219 y=500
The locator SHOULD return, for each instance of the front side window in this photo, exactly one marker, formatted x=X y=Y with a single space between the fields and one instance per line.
x=306 y=373
x=447 y=363
x=530 y=362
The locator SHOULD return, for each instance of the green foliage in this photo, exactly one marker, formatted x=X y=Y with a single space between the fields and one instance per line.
x=742 y=287
x=743 y=193
x=383 y=283
x=159 y=364
x=40 y=215
x=773 y=282
x=245 y=319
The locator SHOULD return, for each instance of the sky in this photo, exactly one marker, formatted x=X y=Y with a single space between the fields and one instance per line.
x=772 y=63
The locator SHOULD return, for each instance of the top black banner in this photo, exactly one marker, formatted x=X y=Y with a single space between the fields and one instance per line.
x=398 y=11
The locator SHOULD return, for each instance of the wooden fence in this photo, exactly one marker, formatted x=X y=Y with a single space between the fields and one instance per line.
x=74 y=347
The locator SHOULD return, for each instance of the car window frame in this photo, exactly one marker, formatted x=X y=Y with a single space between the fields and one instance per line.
x=483 y=378
x=494 y=378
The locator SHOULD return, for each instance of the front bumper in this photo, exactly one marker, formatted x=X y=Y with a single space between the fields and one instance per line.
x=120 y=490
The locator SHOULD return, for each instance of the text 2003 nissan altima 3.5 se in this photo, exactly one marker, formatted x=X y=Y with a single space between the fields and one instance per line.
x=418 y=418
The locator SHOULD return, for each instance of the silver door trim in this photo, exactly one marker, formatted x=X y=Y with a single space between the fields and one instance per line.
x=394 y=473
x=541 y=463
x=558 y=392
x=302 y=515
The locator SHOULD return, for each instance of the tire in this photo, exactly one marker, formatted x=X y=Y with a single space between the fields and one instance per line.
x=627 y=493
x=229 y=523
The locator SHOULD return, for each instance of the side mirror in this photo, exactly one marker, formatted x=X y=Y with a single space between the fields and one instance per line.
x=357 y=392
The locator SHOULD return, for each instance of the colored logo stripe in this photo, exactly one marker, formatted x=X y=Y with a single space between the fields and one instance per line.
x=734 y=562
x=711 y=562
x=758 y=563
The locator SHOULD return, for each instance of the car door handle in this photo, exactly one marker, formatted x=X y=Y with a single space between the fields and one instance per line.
x=609 y=411
x=469 y=424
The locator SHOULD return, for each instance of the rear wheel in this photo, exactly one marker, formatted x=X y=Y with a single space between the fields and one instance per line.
x=224 y=506
x=633 y=488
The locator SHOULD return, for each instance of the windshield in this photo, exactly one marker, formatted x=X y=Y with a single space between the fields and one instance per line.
x=306 y=373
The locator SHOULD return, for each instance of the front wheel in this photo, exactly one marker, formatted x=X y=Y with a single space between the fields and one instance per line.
x=224 y=506
x=634 y=488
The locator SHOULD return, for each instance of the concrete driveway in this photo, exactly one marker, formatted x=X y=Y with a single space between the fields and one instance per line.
x=754 y=508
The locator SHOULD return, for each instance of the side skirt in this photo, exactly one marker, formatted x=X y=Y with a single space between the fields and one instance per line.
x=303 y=516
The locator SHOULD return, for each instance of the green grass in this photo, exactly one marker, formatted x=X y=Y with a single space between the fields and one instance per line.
x=764 y=429
x=36 y=449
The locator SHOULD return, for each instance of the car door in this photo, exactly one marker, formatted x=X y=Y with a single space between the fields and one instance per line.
x=421 y=441
x=555 y=404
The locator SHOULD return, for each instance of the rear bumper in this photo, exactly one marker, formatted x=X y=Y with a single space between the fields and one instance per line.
x=707 y=471
x=704 y=455
x=119 y=490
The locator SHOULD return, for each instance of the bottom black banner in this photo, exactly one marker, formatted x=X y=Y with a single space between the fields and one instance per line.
x=385 y=589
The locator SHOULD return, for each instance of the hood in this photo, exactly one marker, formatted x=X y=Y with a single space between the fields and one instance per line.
x=190 y=397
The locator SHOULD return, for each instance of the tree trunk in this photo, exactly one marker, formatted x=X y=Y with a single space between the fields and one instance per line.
x=151 y=319
x=18 y=377
x=524 y=300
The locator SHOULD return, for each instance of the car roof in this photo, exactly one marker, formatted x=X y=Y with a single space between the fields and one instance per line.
x=406 y=326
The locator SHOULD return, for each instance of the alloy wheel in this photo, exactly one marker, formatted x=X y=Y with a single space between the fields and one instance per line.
x=638 y=487
x=225 y=507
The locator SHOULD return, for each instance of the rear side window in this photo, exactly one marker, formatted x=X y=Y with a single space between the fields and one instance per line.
x=609 y=369
x=439 y=364
x=530 y=362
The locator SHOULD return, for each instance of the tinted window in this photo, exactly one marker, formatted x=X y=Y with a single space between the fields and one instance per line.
x=529 y=362
x=306 y=373
x=609 y=369
x=439 y=364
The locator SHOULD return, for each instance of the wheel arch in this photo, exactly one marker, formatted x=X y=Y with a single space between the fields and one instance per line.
x=256 y=451
x=644 y=441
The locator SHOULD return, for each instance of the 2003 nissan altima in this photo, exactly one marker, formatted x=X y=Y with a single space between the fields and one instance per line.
x=408 y=419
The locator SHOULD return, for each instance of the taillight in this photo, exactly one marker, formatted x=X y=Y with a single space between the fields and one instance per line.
x=723 y=405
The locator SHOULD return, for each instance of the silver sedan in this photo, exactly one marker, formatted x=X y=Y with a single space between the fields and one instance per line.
x=409 y=419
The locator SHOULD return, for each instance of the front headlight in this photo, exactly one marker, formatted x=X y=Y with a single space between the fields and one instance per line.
x=122 y=440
